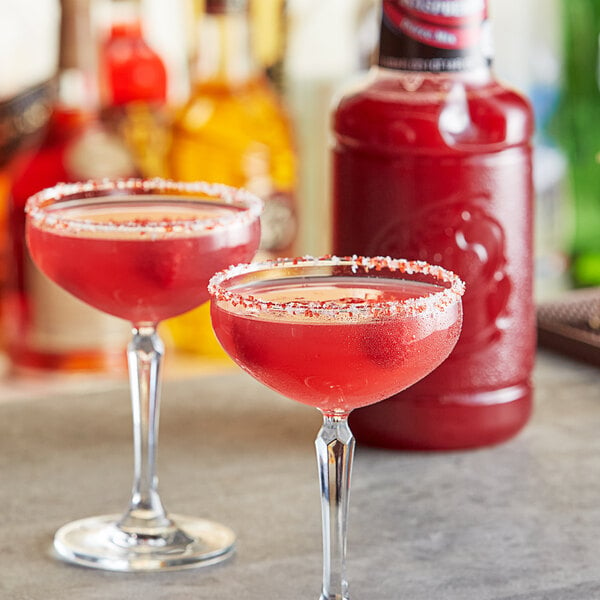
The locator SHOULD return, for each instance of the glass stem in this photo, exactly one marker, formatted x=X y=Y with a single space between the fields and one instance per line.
x=335 y=451
x=146 y=513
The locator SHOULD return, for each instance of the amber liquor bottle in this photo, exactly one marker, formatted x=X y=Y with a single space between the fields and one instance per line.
x=233 y=130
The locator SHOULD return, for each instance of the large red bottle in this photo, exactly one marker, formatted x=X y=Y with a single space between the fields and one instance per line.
x=432 y=161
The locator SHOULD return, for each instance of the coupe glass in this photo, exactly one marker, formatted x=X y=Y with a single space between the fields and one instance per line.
x=337 y=334
x=142 y=250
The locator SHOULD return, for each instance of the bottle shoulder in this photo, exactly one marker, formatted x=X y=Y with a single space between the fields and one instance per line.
x=251 y=105
x=233 y=134
x=448 y=112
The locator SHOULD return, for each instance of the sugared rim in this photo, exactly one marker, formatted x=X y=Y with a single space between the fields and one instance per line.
x=438 y=300
x=250 y=205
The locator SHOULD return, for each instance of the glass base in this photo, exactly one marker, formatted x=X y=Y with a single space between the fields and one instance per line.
x=98 y=542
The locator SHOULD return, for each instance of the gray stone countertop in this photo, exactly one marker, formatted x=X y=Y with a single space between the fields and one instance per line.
x=519 y=521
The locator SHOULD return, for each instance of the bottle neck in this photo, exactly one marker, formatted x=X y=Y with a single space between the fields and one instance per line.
x=224 y=51
x=120 y=17
x=435 y=36
x=126 y=25
x=222 y=7
x=76 y=79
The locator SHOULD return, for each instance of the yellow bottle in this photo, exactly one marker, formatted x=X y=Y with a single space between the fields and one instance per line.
x=233 y=130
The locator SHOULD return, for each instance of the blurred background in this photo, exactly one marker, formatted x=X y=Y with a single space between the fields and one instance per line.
x=94 y=88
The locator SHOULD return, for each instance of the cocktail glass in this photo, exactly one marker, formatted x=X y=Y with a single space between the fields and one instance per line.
x=336 y=334
x=142 y=250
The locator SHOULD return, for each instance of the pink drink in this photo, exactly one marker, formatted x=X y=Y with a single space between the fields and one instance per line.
x=143 y=260
x=336 y=361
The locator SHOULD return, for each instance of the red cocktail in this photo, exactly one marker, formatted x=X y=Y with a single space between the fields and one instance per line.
x=338 y=366
x=143 y=251
x=141 y=259
x=337 y=334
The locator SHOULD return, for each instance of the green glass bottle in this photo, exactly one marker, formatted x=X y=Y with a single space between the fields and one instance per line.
x=577 y=128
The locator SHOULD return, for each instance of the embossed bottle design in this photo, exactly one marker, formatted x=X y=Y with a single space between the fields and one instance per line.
x=432 y=160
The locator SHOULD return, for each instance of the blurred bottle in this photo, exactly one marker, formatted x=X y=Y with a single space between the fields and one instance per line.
x=233 y=130
x=576 y=128
x=22 y=121
x=5 y=184
x=329 y=42
x=133 y=84
x=269 y=25
x=44 y=326
x=26 y=93
x=433 y=161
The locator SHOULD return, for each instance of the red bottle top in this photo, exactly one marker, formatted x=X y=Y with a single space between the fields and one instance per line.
x=131 y=69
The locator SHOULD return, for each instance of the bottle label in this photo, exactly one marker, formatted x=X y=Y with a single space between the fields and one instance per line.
x=60 y=323
x=434 y=35
x=98 y=153
x=278 y=222
x=471 y=214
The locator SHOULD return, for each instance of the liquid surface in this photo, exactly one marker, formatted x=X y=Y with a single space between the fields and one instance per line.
x=345 y=290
